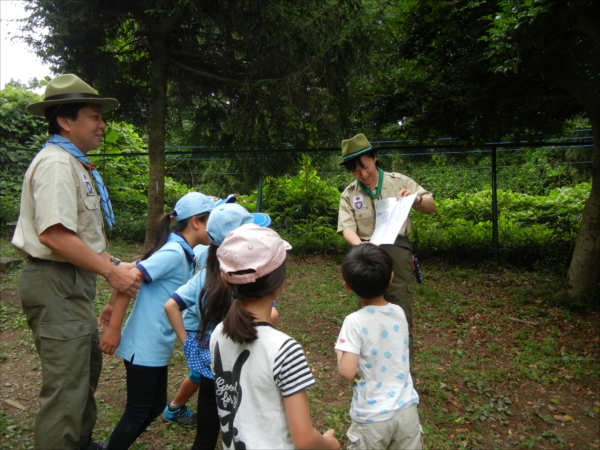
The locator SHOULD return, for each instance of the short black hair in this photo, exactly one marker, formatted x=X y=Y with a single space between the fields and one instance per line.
x=70 y=110
x=367 y=270
x=351 y=164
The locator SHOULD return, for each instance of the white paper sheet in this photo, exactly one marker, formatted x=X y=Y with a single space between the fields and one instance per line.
x=390 y=215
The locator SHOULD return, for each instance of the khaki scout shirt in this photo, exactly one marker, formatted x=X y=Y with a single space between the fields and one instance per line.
x=58 y=189
x=357 y=210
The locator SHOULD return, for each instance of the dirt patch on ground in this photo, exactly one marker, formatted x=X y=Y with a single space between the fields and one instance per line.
x=469 y=333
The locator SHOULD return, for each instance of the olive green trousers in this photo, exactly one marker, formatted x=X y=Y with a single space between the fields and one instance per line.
x=401 y=290
x=57 y=299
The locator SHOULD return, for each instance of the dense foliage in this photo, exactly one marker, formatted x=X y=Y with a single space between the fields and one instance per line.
x=533 y=230
x=126 y=176
x=538 y=222
x=234 y=73
x=18 y=130
x=481 y=70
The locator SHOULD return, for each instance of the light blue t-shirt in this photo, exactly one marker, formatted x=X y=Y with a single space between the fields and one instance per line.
x=201 y=254
x=189 y=293
x=148 y=337
x=187 y=296
x=187 y=299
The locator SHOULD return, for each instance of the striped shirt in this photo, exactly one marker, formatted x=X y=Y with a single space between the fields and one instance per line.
x=251 y=381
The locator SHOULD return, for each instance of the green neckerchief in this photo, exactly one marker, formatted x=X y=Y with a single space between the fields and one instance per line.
x=379 y=186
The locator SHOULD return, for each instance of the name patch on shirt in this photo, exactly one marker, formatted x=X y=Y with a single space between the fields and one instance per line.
x=88 y=184
x=358 y=201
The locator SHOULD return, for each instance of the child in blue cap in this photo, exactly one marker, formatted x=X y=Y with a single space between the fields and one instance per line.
x=177 y=411
x=147 y=340
x=207 y=294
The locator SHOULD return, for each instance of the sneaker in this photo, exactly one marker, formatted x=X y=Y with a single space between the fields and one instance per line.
x=181 y=416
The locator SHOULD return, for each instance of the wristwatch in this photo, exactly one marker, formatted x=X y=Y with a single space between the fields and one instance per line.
x=115 y=261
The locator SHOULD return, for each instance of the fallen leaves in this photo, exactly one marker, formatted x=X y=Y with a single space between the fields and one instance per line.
x=565 y=418
x=15 y=404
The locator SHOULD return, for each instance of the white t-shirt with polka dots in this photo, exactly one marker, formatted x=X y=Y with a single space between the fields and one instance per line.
x=379 y=335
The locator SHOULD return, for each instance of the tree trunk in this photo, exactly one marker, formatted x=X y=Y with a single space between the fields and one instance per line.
x=157 y=134
x=585 y=263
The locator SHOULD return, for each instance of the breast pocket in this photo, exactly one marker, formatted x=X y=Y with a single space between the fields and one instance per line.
x=365 y=221
x=87 y=192
x=91 y=203
x=365 y=213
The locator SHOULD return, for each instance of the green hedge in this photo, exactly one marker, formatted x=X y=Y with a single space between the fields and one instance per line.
x=532 y=230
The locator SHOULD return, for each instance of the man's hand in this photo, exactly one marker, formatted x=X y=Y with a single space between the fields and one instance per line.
x=104 y=318
x=110 y=341
x=121 y=279
x=68 y=246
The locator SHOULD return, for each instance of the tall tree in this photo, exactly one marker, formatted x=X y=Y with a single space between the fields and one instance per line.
x=480 y=70
x=252 y=73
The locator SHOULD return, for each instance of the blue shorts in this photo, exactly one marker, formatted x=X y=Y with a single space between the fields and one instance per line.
x=198 y=355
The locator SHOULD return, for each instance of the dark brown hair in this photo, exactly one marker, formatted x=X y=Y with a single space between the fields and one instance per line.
x=161 y=230
x=351 y=164
x=239 y=323
x=70 y=110
x=367 y=269
x=215 y=297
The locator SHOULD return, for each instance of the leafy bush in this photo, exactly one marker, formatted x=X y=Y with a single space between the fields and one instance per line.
x=130 y=227
x=302 y=202
x=304 y=209
x=322 y=241
x=537 y=230
x=18 y=130
x=126 y=176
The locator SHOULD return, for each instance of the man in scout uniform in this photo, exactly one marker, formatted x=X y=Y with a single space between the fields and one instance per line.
x=61 y=233
x=356 y=219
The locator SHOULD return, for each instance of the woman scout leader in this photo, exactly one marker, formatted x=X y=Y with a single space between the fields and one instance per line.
x=356 y=220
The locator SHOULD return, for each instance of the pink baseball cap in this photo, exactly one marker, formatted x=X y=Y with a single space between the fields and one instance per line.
x=250 y=247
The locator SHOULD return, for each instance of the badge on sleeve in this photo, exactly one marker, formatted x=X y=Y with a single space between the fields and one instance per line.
x=88 y=184
x=358 y=201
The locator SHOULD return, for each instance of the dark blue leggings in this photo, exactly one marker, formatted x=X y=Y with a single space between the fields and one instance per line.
x=146 y=400
x=208 y=427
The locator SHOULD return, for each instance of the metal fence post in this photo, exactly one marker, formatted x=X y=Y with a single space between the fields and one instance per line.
x=494 y=207
x=260 y=183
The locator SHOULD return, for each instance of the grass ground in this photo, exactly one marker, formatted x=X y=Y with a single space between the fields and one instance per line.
x=500 y=364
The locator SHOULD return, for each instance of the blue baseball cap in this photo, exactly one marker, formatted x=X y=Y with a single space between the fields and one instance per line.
x=230 y=216
x=229 y=199
x=193 y=204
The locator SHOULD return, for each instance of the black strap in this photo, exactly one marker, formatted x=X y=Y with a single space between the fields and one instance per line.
x=67 y=96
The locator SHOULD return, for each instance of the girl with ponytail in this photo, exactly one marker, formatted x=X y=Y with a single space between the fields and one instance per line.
x=261 y=374
x=147 y=341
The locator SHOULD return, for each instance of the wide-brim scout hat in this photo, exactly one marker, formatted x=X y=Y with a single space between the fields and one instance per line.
x=355 y=146
x=70 y=88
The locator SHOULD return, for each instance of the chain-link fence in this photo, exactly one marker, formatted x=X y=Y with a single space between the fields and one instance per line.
x=300 y=188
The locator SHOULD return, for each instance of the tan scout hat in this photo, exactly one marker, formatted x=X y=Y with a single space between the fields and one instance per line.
x=356 y=146
x=70 y=88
